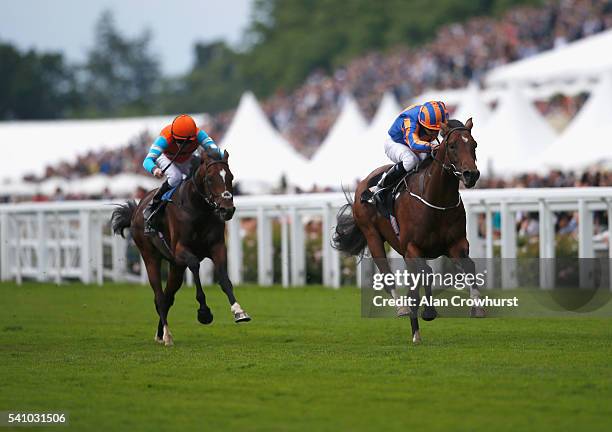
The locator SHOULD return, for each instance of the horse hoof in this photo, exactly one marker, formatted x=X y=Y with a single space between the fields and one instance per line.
x=477 y=312
x=416 y=338
x=241 y=317
x=429 y=314
x=205 y=316
x=403 y=311
x=168 y=339
x=158 y=339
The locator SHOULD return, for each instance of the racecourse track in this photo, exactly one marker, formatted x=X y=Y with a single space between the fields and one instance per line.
x=306 y=361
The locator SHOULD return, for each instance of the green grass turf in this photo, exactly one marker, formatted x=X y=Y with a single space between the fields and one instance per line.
x=307 y=361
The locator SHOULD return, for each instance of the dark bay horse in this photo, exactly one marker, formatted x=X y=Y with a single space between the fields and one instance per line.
x=430 y=215
x=193 y=228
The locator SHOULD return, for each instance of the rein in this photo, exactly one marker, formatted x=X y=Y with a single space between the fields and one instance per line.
x=207 y=195
x=450 y=167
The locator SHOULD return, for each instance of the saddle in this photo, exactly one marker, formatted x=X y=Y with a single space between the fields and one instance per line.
x=384 y=201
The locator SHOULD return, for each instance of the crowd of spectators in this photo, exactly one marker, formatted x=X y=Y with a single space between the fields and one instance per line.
x=459 y=53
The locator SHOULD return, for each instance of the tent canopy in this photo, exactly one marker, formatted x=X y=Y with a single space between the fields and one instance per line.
x=472 y=105
x=585 y=140
x=514 y=138
x=258 y=153
x=340 y=160
x=377 y=133
x=583 y=59
x=51 y=142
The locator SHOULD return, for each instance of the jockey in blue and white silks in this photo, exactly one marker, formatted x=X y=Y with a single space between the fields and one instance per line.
x=411 y=139
x=170 y=155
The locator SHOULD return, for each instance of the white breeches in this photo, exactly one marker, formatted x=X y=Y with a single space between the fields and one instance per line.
x=401 y=153
x=176 y=171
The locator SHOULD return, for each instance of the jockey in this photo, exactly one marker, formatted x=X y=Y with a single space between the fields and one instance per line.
x=411 y=139
x=171 y=154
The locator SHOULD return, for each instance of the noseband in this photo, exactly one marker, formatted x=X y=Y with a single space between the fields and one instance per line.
x=207 y=195
x=449 y=167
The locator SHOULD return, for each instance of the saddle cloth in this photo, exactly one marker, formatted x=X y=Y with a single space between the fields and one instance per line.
x=384 y=201
x=167 y=197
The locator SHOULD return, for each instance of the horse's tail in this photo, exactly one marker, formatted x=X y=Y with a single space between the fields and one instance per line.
x=122 y=217
x=347 y=236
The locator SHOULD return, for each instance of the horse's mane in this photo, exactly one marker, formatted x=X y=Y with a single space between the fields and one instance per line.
x=454 y=123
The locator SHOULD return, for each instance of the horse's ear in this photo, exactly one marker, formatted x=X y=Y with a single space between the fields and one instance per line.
x=444 y=128
x=469 y=124
x=225 y=155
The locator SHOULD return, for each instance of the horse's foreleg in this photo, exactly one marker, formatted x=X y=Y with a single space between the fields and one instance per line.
x=219 y=258
x=376 y=245
x=460 y=254
x=186 y=257
x=416 y=263
x=429 y=311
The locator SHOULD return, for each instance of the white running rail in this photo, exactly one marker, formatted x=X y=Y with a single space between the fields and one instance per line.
x=72 y=240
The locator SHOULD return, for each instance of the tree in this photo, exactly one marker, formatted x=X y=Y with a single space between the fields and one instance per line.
x=121 y=76
x=35 y=86
x=215 y=83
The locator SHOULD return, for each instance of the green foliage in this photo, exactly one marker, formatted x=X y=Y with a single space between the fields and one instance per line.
x=121 y=75
x=214 y=83
x=285 y=41
x=34 y=85
x=290 y=38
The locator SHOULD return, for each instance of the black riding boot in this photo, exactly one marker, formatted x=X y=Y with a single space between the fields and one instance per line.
x=153 y=208
x=391 y=177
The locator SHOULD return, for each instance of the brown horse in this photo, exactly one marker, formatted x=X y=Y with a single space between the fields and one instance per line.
x=193 y=229
x=429 y=212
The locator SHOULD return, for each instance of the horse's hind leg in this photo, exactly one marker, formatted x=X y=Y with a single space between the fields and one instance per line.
x=175 y=280
x=153 y=266
x=192 y=262
x=219 y=258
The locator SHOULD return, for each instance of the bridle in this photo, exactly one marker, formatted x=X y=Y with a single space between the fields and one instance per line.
x=207 y=195
x=449 y=167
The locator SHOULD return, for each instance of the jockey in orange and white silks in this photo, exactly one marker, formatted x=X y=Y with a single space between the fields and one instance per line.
x=411 y=139
x=171 y=154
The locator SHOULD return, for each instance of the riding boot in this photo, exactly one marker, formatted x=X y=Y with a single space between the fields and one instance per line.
x=153 y=208
x=390 y=178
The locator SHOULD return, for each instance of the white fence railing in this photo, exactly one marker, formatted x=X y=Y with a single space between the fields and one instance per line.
x=72 y=240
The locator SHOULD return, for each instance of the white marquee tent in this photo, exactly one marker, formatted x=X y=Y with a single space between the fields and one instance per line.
x=377 y=132
x=514 y=137
x=580 y=60
x=340 y=159
x=259 y=155
x=32 y=145
x=472 y=105
x=586 y=139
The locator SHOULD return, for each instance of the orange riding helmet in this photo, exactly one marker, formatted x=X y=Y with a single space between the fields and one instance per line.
x=433 y=114
x=184 y=128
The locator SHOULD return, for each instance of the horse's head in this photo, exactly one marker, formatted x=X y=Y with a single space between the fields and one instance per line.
x=458 y=149
x=213 y=180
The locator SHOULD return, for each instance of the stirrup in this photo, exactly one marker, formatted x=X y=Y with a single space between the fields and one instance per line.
x=149 y=221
